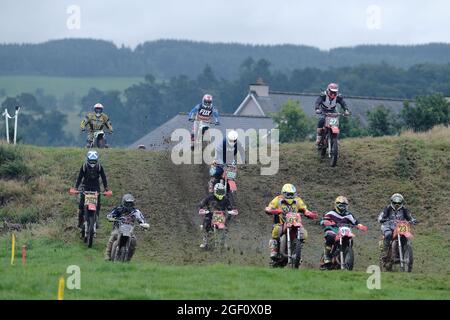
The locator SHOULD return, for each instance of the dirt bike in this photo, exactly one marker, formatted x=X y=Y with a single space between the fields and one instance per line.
x=330 y=143
x=99 y=140
x=89 y=226
x=228 y=179
x=121 y=246
x=219 y=222
x=342 y=256
x=291 y=242
x=400 y=250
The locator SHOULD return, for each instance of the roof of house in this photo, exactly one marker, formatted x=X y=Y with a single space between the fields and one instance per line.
x=358 y=105
x=159 y=138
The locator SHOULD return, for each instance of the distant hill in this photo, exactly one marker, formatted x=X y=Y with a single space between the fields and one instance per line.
x=167 y=58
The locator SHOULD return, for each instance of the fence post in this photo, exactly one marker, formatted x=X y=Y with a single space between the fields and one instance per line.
x=15 y=123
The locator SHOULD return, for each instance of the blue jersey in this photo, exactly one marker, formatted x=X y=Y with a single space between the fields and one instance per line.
x=204 y=113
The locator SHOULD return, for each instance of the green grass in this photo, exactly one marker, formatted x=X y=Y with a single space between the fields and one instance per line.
x=58 y=86
x=48 y=260
x=168 y=263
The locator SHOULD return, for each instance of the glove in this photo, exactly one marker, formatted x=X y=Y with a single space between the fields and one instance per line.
x=347 y=113
x=362 y=227
x=311 y=214
x=414 y=221
x=217 y=123
x=191 y=119
x=318 y=111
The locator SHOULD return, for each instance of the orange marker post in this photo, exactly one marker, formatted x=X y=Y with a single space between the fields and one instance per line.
x=24 y=254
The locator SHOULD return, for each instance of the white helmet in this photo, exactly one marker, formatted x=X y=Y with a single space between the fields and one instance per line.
x=98 y=109
x=232 y=137
x=92 y=158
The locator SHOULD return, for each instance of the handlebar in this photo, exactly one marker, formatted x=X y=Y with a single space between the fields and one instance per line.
x=73 y=191
x=230 y=212
x=143 y=225
x=332 y=114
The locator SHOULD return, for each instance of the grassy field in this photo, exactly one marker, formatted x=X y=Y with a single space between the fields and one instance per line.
x=48 y=260
x=58 y=86
x=34 y=183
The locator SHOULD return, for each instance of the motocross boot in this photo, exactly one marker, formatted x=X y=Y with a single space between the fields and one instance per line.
x=319 y=138
x=273 y=245
x=204 y=244
x=326 y=258
x=80 y=219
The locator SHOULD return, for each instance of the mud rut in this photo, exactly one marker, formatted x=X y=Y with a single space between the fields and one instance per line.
x=168 y=195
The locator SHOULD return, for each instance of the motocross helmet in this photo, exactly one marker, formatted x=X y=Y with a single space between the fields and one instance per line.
x=207 y=100
x=128 y=201
x=92 y=158
x=332 y=90
x=98 y=109
x=232 y=137
x=289 y=192
x=397 y=201
x=341 y=204
x=219 y=191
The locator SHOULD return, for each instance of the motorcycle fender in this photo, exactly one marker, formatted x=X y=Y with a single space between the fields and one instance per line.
x=407 y=234
x=232 y=184
x=335 y=130
x=92 y=207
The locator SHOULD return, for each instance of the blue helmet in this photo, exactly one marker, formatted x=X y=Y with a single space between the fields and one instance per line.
x=92 y=158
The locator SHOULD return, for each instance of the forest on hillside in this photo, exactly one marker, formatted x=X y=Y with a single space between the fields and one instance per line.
x=169 y=58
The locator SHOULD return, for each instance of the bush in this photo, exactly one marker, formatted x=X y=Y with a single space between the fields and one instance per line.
x=22 y=215
x=11 y=163
x=381 y=122
x=427 y=112
x=293 y=123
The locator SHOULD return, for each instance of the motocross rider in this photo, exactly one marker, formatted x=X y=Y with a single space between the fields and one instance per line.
x=217 y=201
x=326 y=103
x=88 y=180
x=203 y=111
x=126 y=210
x=288 y=201
x=331 y=221
x=226 y=152
x=95 y=121
x=396 y=210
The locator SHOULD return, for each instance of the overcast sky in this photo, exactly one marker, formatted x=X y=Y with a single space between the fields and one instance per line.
x=323 y=24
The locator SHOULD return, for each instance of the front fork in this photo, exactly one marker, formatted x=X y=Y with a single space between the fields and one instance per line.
x=329 y=144
x=400 y=251
x=289 y=243
x=341 y=252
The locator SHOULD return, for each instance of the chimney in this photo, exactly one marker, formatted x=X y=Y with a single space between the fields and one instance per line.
x=260 y=88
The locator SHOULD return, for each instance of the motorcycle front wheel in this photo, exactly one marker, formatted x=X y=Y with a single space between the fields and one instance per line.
x=334 y=152
x=90 y=229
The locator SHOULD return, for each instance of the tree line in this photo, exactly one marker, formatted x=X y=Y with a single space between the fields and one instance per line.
x=168 y=58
